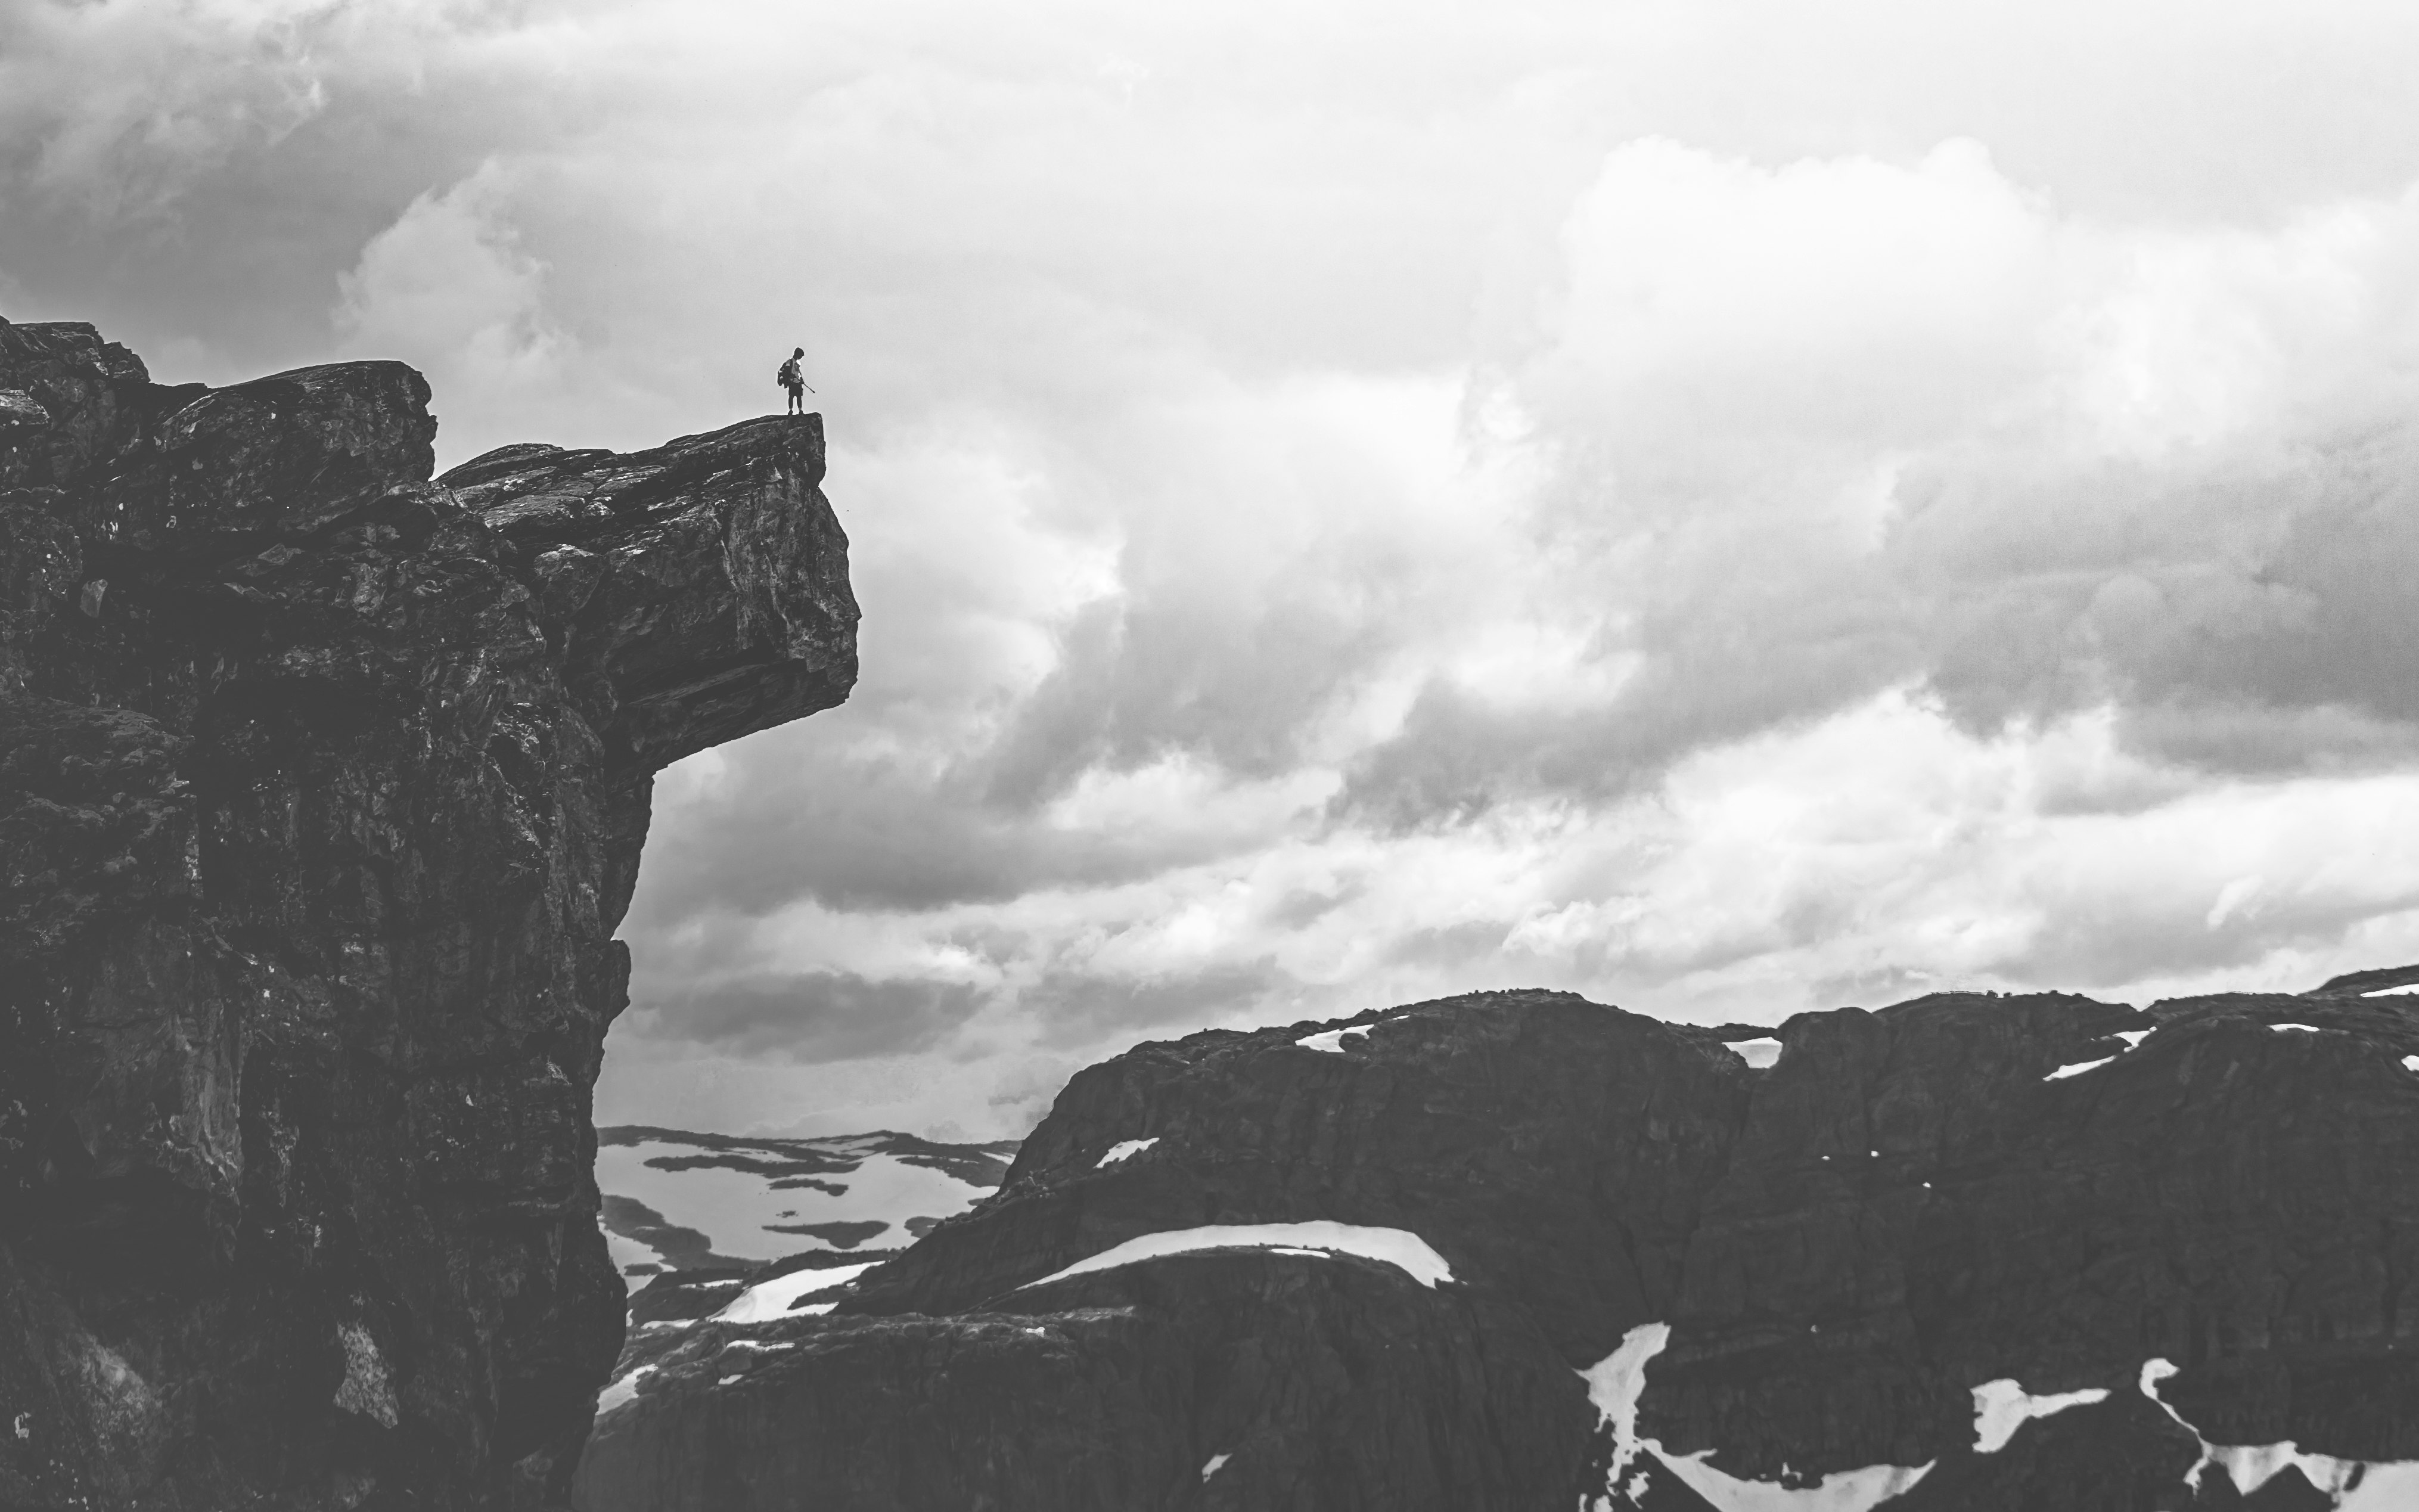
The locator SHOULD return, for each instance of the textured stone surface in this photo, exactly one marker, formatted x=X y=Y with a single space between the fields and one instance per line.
x=322 y=785
x=1331 y=1385
x=1905 y=1204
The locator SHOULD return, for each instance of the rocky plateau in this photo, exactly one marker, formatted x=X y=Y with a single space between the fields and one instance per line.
x=1521 y=1250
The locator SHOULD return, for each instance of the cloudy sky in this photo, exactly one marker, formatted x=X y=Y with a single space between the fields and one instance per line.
x=1729 y=506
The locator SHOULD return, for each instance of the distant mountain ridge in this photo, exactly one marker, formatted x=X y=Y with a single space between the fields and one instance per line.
x=678 y=1199
x=1973 y=1252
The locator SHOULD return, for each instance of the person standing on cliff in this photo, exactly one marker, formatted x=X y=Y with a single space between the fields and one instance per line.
x=795 y=381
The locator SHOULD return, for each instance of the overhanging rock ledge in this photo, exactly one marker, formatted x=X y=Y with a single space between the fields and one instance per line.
x=322 y=787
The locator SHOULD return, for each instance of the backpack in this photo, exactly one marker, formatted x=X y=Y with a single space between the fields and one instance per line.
x=787 y=369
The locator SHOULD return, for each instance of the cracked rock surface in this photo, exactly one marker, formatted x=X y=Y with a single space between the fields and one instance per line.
x=322 y=787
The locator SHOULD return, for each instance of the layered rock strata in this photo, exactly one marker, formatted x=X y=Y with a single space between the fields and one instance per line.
x=1970 y=1252
x=322 y=787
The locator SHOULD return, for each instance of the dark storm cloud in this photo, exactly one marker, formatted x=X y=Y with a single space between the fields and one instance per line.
x=2261 y=623
x=812 y=1015
x=848 y=831
x=2284 y=638
x=1457 y=755
x=1140 y=678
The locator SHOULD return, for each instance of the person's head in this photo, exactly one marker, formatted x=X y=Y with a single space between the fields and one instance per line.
x=800 y=352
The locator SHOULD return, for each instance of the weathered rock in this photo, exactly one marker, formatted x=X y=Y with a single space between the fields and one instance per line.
x=1322 y=1384
x=322 y=786
x=1844 y=1246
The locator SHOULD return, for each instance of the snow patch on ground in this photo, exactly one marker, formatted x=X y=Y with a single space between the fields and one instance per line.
x=1405 y=1251
x=2077 y=1069
x=2392 y=992
x=2001 y=1407
x=1617 y=1381
x=2384 y=1486
x=1759 y=1054
x=1333 y=1041
x=2133 y=1038
x=621 y=1391
x=769 y=1300
x=2300 y=1028
x=1614 y=1385
x=1846 y=1490
x=2410 y=1062
x=1123 y=1149
x=1212 y=1468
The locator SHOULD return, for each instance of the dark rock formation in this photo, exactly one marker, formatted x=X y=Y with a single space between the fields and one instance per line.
x=1823 y=1262
x=322 y=786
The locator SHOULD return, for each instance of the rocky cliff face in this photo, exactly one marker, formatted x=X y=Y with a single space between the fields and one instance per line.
x=1966 y=1253
x=322 y=786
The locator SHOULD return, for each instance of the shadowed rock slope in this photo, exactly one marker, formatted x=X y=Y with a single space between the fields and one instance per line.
x=322 y=787
x=1683 y=1276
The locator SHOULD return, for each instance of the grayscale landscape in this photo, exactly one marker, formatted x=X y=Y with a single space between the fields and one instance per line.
x=1428 y=757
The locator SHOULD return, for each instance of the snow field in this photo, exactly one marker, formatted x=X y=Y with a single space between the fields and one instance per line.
x=1331 y=1040
x=1124 y=1149
x=1619 y=1380
x=1405 y=1251
x=627 y=1252
x=2385 y=1486
x=2077 y=1069
x=1759 y=1054
x=2001 y=1407
x=769 y=1300
x=621 y=1391
x=2135 y=1037
x=733 y=1208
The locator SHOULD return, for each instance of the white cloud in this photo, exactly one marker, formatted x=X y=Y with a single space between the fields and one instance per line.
x=448 y=288
x=1729 y=508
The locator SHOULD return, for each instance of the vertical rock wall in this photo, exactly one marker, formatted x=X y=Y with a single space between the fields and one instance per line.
x=322 y=787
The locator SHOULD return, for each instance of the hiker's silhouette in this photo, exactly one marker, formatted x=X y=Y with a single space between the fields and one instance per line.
x=795 y=381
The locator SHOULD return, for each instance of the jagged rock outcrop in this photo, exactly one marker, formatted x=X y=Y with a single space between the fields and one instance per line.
x=1681 y=1276
x=322 y=786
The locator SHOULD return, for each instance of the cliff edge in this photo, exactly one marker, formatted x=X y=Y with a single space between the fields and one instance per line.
x=322 y=788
